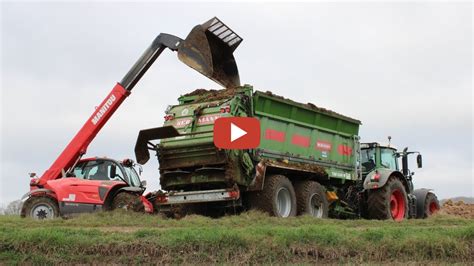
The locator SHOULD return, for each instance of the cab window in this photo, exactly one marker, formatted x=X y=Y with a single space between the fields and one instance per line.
x=388 y=159
x=132 y=174
x=98 y=170
x=368 y=159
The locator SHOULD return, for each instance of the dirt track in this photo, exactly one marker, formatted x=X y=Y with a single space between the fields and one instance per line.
x=459 y=208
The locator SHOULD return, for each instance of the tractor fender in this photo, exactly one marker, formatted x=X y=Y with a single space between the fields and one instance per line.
x=131 y=189
x=421 y=195
x=384 y=174
x=39 y=192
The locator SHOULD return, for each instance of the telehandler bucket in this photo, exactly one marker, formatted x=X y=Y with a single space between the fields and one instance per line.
x=208 y=49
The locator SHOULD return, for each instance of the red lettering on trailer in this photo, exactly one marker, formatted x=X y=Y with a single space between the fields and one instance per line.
x=323 y=145
x=300 y=140
x=275 y=135
x=344 y=150
x=182 y=122
x=202 y=120
x=208 y=119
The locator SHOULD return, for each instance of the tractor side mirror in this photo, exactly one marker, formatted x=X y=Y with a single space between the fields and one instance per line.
x=143 y=183
x=419 y=161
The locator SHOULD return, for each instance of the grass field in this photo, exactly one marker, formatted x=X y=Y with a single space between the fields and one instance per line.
x=116 y=237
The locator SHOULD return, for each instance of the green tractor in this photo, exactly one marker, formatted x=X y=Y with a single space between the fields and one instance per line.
x=390 y=191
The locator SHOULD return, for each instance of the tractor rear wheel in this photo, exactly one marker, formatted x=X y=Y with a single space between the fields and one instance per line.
x=311 y=199
x=40 y=208
x=388 y=202
x=127 y=201
x=431 y=205
x=277 y=197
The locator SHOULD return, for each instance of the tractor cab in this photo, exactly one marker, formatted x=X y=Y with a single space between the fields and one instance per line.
x=105 y=169
x=374 y=156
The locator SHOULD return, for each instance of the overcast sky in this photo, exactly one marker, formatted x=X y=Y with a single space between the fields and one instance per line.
x=404 y=70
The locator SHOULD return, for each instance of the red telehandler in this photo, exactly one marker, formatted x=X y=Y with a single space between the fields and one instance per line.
x=75 y=185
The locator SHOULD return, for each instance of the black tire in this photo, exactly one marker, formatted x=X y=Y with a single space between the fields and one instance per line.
x=379 y=202
x=311 y=199
x=40 y=208
x=277 y=189
x=431 y=205
x=127 y=201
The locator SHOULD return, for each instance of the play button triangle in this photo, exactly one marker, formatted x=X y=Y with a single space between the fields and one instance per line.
x=236 y=132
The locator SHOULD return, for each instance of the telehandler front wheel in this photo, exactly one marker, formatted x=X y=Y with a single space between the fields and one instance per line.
x=311 y=199
x=40 y=208
x=388 y=202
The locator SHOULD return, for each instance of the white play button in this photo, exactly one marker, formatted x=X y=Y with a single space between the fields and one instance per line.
x=236 y=132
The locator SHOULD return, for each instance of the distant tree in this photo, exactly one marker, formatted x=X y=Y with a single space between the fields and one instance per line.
x=13 y=208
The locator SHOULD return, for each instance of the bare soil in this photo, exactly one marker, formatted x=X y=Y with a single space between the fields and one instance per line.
x=459 y=209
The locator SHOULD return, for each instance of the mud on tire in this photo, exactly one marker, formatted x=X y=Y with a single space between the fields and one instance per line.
x=127 y=201
x=311 y=199
x=277 y=197
x=40 y=208
x=380 y=202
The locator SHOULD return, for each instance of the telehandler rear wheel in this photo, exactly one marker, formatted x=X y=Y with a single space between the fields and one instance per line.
x=311 y=199
x=127 y=201
x=40 y=208
x=388 y=202
x=277 y=197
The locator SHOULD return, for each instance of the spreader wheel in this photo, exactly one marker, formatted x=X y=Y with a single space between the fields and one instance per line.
x=311 y=199
x=277 y=197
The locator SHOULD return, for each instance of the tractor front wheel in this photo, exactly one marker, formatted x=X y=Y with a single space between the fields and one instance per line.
x=40 y=208
x=388 y=202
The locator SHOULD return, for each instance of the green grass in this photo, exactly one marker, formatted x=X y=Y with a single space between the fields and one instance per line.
x=117 y=237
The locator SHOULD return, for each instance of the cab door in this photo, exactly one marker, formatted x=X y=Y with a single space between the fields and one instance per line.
x=87 y=189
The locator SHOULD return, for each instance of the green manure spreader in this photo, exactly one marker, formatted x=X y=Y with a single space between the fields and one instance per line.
x=309 y=161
